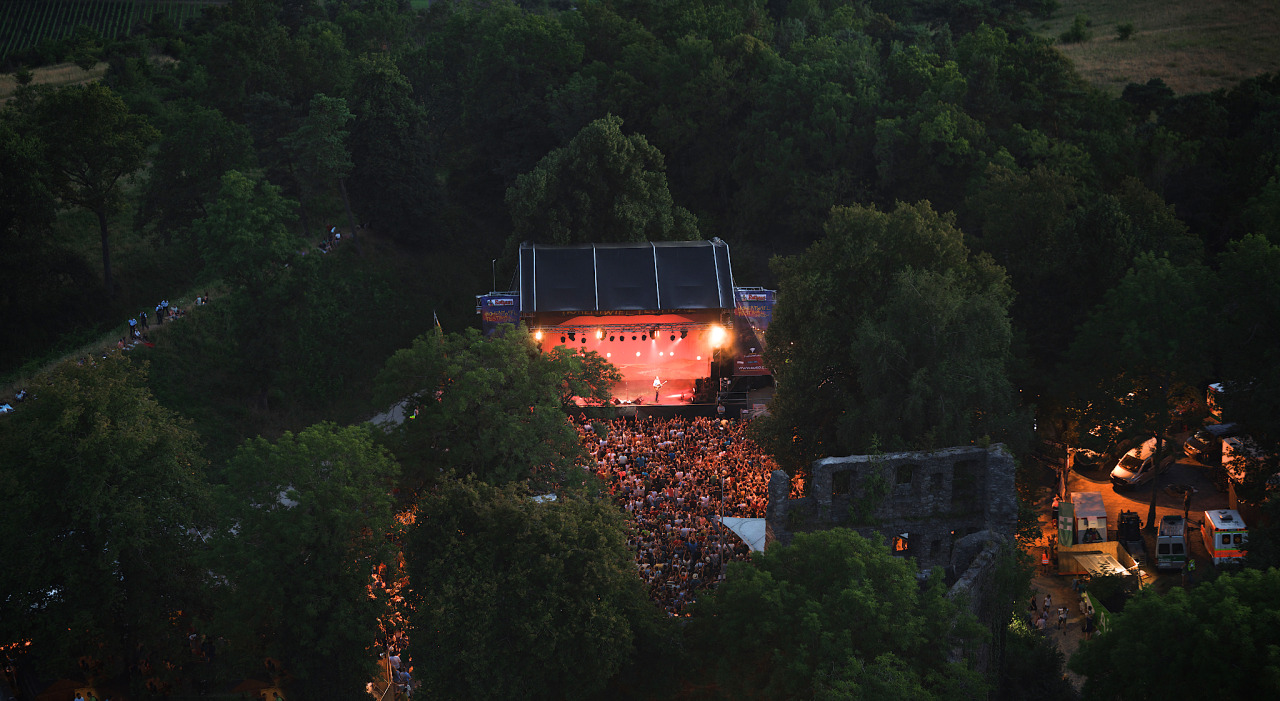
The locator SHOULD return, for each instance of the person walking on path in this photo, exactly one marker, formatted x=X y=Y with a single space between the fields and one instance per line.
x=1048 y=602
x=1062 y=618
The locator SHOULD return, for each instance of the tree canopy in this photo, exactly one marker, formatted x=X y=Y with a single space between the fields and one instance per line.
x=1187 y=631
x=492 y=407
x=834 y=616
x=105 y=498
x=306 y=520
x=603 y=186
x=516 y=596
x=889 y=330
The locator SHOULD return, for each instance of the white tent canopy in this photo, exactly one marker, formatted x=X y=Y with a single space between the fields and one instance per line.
x=750 y=530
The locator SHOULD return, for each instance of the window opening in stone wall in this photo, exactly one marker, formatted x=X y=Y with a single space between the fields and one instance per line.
x=901 y=543
x=841 y=483
x=904 y=473
x=965 y=483
x=935 y=481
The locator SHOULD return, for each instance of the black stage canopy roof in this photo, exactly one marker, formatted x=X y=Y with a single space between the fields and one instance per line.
x=653 y=276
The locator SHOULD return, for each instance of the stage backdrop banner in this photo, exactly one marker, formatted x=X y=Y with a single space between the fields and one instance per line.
x=497 y=309
x=753 y=311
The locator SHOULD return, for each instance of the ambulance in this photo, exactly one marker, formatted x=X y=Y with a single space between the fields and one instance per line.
x=1225 y=535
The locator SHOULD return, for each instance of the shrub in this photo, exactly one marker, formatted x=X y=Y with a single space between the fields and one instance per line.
x=1079 y=31
x=1124 y=32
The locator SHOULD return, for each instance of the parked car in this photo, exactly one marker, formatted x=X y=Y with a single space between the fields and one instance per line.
x=1205 y=445
x=1137 y=466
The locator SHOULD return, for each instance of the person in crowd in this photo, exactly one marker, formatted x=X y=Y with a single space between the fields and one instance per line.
x=675 y=477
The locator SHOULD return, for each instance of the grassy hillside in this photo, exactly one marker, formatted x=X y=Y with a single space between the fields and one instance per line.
x=1192 y=45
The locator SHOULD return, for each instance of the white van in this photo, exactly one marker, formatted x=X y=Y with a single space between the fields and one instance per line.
x=1136 y=467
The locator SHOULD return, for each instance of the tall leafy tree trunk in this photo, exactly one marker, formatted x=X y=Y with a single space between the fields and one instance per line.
x=92 y=143
x=318 y=148
x=106 y=250
x=351 y=218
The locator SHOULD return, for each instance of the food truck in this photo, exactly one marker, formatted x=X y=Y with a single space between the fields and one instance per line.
x=1090 y=518
x=1225 y=535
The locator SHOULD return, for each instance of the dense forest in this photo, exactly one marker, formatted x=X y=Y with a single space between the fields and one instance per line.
x=969 y=243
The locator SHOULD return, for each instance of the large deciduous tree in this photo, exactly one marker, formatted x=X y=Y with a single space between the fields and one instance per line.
x=888 y=330
x=104 y=498
x=1142 y=352
x=318 y=148
x=1171 y=645
x=307 y=520
x=514 y=597
x=92 y=143
x=834 y=616
x=244 y=236
x=492 y=407
x=603 y=186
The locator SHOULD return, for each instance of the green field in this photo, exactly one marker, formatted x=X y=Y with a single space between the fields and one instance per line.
x=26 y=23
x=1192 y=45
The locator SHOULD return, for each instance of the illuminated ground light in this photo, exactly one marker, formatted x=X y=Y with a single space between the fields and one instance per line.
x=637 y=354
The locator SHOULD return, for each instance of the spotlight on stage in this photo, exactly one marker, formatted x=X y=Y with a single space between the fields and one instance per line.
x=718 y=335
x=573 y=335
x=683 y=333
x=673 y=337
x=538 y=334
x=641 y=337
x=633 y=338
x=562 y=339
x=599 y=334
x=611 y=338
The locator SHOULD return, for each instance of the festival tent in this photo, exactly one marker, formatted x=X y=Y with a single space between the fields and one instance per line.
x=750 y=530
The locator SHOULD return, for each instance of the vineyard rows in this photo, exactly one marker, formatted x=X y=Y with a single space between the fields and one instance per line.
x=26 y=23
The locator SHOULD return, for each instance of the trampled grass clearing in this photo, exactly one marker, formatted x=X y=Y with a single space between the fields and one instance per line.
x=1192 y=45
x=59 y=75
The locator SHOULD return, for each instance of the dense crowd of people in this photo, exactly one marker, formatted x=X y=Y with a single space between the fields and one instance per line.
x=675 y=477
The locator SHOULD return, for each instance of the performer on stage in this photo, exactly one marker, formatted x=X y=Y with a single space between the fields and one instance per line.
x=657 y=385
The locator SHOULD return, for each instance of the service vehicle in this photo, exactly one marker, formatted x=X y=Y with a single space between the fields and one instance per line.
x=1171 y=544
x=1205 y=445
x=1138 y=466
x=1225 y=535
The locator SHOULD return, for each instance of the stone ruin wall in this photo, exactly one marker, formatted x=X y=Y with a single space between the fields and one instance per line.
x=934 y=497
x=957 y=507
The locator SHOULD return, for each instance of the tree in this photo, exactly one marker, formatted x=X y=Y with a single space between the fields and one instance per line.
x=393 y=178
x=1142 y=351
x=198 y=147
x=305 y=521
x=514 y=597
x=888 y=329
x=104 y=497
x=319 y=150
x=490 y=407
x=1187 y=631
x=601 y=187
x=244 y=237
x=834 y=616
x=92 y=143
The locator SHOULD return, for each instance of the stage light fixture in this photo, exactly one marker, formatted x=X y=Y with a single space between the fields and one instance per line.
x=538 y=334
x=584 y=338
x=637 y=354
x=641 y=337
x=683 y=333
x=718 y=335
x=633 y=338
x=562 y=339
x=699 y=358
x=612 y=338
x=659 y=354
x=608 y=355
x=673 y=337
x=653 y=333
x=573 y=335
x=599 y=334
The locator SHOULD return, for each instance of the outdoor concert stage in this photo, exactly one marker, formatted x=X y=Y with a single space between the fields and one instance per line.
x=662 y=312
